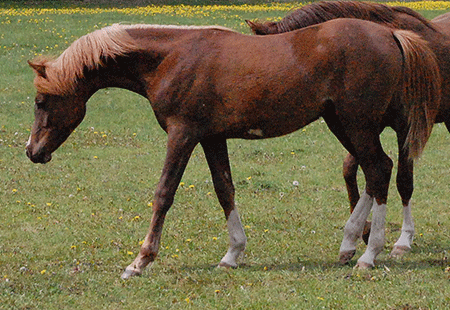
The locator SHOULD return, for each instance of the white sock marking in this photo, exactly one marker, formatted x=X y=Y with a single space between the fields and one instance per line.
x=376 y=238
x=355 y=224
x=407 y=234
x=238 y=240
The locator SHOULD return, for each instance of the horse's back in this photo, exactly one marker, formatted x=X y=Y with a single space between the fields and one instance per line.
x=443 y=22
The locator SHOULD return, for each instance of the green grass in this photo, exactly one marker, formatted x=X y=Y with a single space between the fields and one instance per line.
x=68 y=228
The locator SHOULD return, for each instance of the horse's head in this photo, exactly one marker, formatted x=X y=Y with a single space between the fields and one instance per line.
x=56 y=116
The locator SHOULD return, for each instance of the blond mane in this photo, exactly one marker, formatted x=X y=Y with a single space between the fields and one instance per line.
x=59 y=76
x=87 y=52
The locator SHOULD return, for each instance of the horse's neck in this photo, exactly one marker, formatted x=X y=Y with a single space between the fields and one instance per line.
x=161 y=40
x=159 y=51
x=120 y=73
x=131 y=71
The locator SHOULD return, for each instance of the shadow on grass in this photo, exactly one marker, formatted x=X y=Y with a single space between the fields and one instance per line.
x=293 y=267
x=400 y=264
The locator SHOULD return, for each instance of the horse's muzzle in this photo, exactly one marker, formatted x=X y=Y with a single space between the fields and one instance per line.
x=40 y=157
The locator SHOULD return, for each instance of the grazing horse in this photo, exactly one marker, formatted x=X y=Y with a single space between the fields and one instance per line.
x=398 y=18
x=209 y=84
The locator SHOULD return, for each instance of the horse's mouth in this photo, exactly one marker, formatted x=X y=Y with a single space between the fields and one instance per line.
x=40 y=157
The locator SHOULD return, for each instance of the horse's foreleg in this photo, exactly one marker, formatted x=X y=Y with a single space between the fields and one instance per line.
x=405 y=187
x=179 y=149
x=217 y=156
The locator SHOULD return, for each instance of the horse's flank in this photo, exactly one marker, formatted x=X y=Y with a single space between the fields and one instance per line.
x=59 y=76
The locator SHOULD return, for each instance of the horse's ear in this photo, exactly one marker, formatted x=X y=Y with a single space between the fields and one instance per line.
x=38 y=68
x=257 y=27
x=251 y=24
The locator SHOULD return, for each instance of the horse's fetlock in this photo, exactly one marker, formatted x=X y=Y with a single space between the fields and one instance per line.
x=240 y=245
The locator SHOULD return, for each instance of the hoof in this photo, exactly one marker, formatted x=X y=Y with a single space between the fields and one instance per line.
x=130 y=272
x=345 y=257
x=400 y=250
x=366 y=232
x=226 y=265
x=363 y=265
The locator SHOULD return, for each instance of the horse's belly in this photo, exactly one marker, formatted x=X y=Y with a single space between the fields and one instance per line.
x=271 y=127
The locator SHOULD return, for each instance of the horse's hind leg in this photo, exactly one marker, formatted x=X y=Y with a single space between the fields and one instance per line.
x=179 y=149
x=217 y=156
x=359 y=206
x=403 y=244
x=350 y=171
x=354 y=228
x=377 y=167
x=405 y=188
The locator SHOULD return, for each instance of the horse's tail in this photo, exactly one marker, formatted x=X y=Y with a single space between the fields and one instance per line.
x=421 y=89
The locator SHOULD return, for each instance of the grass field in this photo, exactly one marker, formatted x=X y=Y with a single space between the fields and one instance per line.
x=70 y=227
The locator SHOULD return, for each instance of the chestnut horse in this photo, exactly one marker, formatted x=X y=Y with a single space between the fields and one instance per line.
x=395 y=17
x=209 y=84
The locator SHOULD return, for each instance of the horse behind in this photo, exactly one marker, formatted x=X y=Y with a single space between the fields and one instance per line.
x=436 y=33
x=209 y=84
